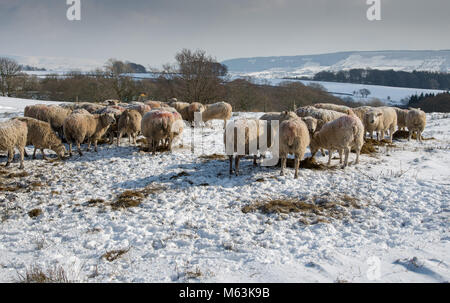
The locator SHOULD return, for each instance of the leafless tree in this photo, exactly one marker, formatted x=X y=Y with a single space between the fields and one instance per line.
x=200 y=75
x=9 y=69
x=116 y=75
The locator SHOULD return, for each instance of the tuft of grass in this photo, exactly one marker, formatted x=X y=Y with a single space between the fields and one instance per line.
x=34 y=213
x=317 y=209
x=35 y=274
x=193 y=274
x=22 y=174
x=94 y=202
x=113 y=255
x=134 y=198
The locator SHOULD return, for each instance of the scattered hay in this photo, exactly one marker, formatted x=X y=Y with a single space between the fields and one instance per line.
x=134 y=198
x=113 y=255
x=314 y=210
x=370 y=146
x=34 y=213
x=10 y=187
x=36 y=274
x=260 y=180
x=94 y=202
x=403 y=134
x=308 y=163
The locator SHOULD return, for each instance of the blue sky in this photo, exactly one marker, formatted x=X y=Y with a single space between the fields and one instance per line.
x=151 y=32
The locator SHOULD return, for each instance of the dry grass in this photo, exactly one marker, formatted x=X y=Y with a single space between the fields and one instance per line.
x=403 y=134
x=94 y=202
x=34 y=213
x=35 y=274
x=308 y=163
x=134 y=198
x=314 y=210
x=113 y=255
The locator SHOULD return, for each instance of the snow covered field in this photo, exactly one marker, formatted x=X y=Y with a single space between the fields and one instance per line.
x=395 y=230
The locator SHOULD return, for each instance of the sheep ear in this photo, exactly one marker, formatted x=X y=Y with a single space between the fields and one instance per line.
x=379 y=114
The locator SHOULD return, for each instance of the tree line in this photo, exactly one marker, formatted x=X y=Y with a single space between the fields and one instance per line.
x=415 y=79
x=194 y=77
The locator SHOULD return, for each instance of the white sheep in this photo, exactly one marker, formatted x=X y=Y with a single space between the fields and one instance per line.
x=129 y=123
x=337 y=108
x=219 y=111
x=416 y=120
x=342 y=135
x=294 y=139
x=401 y=117
x=79 y=127
x=41 y=136
x=246 y=129
x=13 y=134
x=381 y=120
x=161 y=126
x=324 y=115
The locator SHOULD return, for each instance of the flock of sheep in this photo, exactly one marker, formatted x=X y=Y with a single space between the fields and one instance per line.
x=321 y=126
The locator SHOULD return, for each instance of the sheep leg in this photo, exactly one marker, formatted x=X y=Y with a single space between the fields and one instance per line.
x=358 y=151
x=254 y=161
x=283 y=165
x=231 y=164
x=153 y=147
x=95 y=146
x=43 y=154
x=70 y=149
x=330 y=154
x=236 y=164
x=340 y=156
x=410 y=135
x=419 y=136
x=347 y=152
x=297 y=164
x=118 y=138
x=129 y=138
x=10 y=157
x=89 y=145
x=22 y=153
x=79 y=148
x=34 y=153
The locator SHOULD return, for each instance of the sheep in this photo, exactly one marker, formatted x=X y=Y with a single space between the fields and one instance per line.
x=416 y=120
x=111 y=102
x=161 y=125
x=129 y=123
x=341 y=134
x=188 y=113
x=401 y=117
x=53 y=114
x=141 y=108
x=179 y=106
x=41 y=136
x=294 y=139
x=116 y=111
x=220 y=110
x=325 y=115
x=13 y=134
x=250 y=129
x=92 y=127
x=80 y=111
x=380 y=120
x=337 y=108
x=153 y=104
x=311 y=124
x=90 y=107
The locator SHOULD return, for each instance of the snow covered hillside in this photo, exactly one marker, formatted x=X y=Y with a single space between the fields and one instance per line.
x=386 y=219
x=11 y=107
x=308 y=66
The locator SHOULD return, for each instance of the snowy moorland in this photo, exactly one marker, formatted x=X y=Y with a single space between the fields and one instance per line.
x=383 y=220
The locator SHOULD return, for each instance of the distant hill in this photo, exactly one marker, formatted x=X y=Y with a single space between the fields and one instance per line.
x=308 y=66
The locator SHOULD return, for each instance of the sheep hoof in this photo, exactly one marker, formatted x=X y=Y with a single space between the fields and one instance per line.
x=21 y=167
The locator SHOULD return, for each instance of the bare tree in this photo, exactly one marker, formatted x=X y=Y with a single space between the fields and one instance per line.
x=200 y=76
x=9 y=68
x=116 y=74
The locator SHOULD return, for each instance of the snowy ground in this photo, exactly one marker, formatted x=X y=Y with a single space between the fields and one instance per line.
x=195 y=229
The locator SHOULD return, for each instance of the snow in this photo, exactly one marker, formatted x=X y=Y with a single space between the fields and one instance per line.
x=196 y=223
x=10 y=107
